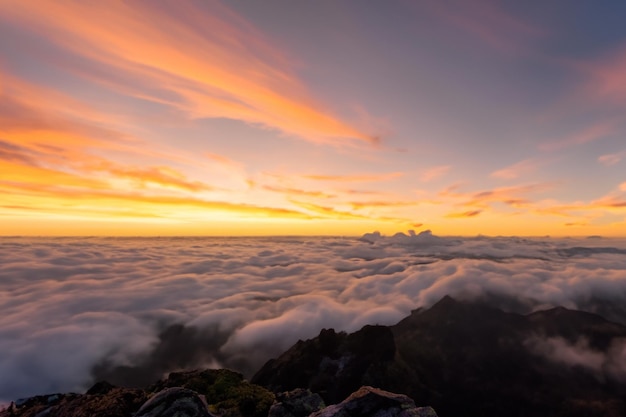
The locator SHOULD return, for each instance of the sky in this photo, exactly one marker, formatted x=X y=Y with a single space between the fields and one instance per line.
x=312 y=118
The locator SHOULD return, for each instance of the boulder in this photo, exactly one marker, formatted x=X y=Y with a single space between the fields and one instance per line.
x=179 y=402
x=297 y=403
x=374 y=402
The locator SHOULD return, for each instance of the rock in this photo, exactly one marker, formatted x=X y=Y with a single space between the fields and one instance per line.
x=102 y=387
x=297 y=403
x=374 y=402
x=178 y=402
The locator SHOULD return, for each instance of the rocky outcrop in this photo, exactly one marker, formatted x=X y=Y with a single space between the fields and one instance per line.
x=373 y=402
x=333 y=365
x=193 y=393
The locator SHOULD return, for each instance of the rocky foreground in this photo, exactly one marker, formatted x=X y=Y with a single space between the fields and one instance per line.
x=461 y=358
x=209 y=393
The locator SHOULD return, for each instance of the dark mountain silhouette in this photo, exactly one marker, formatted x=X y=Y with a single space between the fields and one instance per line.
x=470 y=359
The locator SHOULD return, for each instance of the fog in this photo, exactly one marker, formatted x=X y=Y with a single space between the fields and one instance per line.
x=74 y=310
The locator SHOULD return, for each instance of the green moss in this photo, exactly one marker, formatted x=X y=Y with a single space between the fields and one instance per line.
x=226 y=392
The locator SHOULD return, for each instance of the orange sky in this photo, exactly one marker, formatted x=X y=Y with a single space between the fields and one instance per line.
x=208 y=118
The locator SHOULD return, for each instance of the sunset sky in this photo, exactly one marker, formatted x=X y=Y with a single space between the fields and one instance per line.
x=312 y=118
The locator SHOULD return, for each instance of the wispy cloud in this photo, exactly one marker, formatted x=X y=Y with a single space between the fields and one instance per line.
x=465 y=214
x=341 y=214
x=200 y=59
x=298 y=192
x=66 y=193
x=612 y=158
x=159 y=175
x=354 y=178
x=596 y=131
x=517 y=170
x=514 y=195
x=488 y=22
x=378 y=203
x=606 y=77
x=434 y=173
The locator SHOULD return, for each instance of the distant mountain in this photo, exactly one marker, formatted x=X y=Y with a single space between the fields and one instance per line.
x=469 y=359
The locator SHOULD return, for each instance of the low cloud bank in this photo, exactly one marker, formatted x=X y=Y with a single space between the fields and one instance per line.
x=132 y=309
x=609 y=364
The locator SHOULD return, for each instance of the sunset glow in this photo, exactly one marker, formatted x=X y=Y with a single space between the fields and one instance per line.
x=282 y=118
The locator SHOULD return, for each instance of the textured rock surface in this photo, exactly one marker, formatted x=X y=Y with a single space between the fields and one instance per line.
x=170 y=402
x=373 y=402
x=297 y=403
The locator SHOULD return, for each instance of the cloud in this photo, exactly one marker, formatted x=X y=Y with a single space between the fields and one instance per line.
x=297 y=192
x=472 y=213
x=159 y=175
x=514 y=195
x=210 y=63
x=354 y=178
x=611 y=159
x=15 y=153
x=596 y=131
x=516 y=170
x=488 y=22
x=131 y=309
x=606 y=79
x=434 y=173
x=603 y=364
x=382 y=204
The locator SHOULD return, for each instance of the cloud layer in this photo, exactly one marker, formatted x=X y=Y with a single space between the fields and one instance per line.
x=76 y=309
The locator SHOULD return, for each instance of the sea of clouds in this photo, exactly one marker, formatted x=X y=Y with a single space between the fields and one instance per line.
x=129 y=310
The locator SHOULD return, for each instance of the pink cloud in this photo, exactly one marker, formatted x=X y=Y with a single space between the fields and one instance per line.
x=434 y=173
x=596 y=131
x=488 y=22
x=516 y=170
x=611 y=159
x=607 y=77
